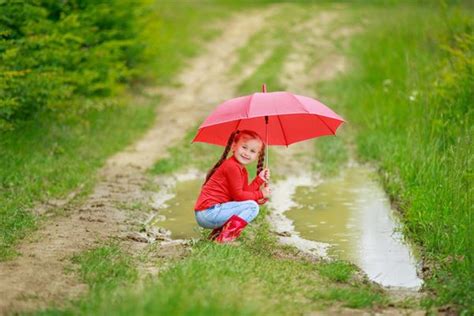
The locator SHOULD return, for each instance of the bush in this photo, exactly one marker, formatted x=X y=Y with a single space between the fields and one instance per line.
x=63 y=57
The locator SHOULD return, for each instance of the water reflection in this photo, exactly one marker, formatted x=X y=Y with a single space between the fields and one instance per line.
x=352 y=213
x=348 y=217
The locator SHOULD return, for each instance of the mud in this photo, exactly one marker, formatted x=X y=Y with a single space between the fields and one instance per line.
x=174 y=204
x=281 y=201
x=37 y=277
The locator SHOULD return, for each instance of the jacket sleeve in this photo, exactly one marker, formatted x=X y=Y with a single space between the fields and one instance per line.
x=236 y=184
x=255 y=185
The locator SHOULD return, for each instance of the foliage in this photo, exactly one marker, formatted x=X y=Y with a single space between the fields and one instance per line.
x=63 y=57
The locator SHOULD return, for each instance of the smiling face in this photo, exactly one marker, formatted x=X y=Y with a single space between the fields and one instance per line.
x=246 y=150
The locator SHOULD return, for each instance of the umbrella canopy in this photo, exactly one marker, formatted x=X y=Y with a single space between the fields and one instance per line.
x=281 y=117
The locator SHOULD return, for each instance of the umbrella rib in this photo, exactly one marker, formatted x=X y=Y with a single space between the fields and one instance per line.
x=296 y=99
x=248 y=106
x=326 y=124
x=282 y=130
x=334 y=133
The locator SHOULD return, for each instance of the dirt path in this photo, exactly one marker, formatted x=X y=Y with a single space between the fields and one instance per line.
x=37 y=277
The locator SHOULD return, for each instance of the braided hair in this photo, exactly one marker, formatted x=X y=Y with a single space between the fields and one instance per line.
x=234 y=138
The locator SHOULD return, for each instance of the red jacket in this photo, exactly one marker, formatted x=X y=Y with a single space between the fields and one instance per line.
x=229 y=183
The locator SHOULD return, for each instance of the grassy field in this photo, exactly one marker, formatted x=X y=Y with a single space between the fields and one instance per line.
x=258 y=277
x=47 y=159
x=409 y=97
x=413 y=89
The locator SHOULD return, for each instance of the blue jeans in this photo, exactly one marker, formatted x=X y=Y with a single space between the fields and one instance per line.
x=217 y=215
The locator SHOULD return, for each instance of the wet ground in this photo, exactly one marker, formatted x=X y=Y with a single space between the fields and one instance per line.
x=352 y=214
x=177 y=209
x=41 y=275
x=347 y=217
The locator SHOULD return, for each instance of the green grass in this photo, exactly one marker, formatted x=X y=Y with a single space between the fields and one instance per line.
x=178 y=28
x=265 y=73
x=331 y=155
x=409 y=99
x=105 y=267
x=47 y=159
x=176 y=33
x=353 y=297
x=275 y=37
x=256 y=278
x=338 y=271
x=187 y=154
x=107 y=270
x=267 y=39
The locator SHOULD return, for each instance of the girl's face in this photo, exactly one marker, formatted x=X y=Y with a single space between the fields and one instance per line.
x=246 y=150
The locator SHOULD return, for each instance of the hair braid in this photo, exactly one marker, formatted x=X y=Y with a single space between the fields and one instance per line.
x=223 y=157
x=261 y=159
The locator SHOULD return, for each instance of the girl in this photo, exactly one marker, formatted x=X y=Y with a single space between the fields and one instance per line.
x=227 y=202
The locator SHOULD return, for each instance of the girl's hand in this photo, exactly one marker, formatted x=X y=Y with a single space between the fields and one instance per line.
x=266 y=191
x=265 y=174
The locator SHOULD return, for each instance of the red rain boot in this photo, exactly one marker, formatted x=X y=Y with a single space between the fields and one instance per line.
x=231 y=229
x=215 y=232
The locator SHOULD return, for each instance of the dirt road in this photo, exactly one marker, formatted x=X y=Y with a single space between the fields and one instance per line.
x=37 y=277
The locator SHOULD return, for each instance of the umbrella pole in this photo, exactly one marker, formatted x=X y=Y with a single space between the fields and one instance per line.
x=266 y=142
x=264 y=90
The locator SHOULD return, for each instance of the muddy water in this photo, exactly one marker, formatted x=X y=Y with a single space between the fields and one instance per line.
x=346 y=217
x=176 y=208
x=353 y=215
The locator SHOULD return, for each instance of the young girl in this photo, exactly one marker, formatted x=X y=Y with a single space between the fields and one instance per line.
x=227 y=203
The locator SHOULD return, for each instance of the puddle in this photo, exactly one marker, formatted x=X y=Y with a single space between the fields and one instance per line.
x=281 y=201
x=347 y=217
x=175 y=205
x=352 y=214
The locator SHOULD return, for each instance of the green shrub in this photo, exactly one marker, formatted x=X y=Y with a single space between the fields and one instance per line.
x=63 y=57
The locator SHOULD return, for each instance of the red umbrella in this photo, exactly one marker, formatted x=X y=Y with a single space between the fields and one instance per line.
x=284 y=118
